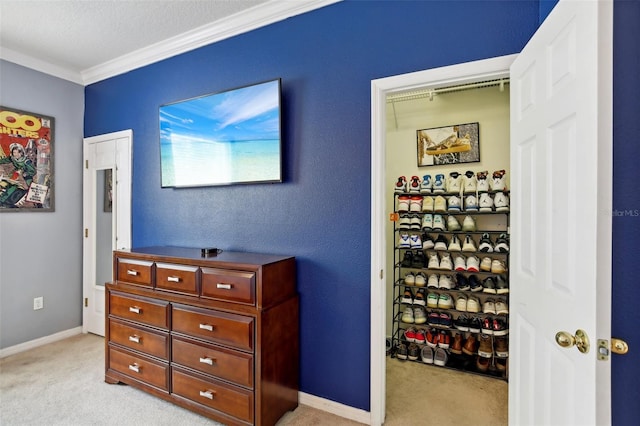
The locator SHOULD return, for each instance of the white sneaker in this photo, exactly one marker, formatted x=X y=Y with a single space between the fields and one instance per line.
x=420 y=279
x=489 y=307
x=427 y=222
x=405 y=221
x=419 y=315
x=461 y=304
x=473 y=305
x=486 y=202
x=445 y=262
x=469 y=244
x=426 y=185
x=471 y=203
x=401 y=185
x=434 y=261
x=409 y=279
x=501 y=202
x=445 y=282
x=454 y=245
x=453 y=204
x=441 y=243
x=468 y=224
x=438 y=184
x=407 y=315
x=415 y=221
x=404 y=241
x=482 y=184
x=501 y=307
x=460 y=263
x=415 y=203
x=427 y=204
x=438 y=222
x=454 y=182
x=440 y=204
x=485 y=265
x=403 y=203
x=498 y=267
x=498 y=182
x=414 y=185
x=470 y=182
x=453 y=224
x=472 y=264
x=445 y=301
x=433 y=280
x=415 y=241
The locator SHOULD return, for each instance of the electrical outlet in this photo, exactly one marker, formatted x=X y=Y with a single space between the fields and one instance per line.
x=38 y=303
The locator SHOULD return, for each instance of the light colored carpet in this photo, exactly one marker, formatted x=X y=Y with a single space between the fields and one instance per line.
x=62 y=383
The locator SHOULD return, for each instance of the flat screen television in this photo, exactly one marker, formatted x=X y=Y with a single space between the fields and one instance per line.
x=225 y=138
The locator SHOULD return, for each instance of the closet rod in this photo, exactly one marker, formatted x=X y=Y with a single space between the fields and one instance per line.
x=429 y=92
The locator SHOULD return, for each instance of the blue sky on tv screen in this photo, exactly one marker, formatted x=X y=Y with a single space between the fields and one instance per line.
x=245 y=114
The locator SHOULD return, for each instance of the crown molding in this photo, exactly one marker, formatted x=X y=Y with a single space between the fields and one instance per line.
x=251 y=19
x=245 y=21
x=40 y=65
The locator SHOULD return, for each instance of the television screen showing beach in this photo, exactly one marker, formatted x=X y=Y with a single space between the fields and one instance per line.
x=224 y=138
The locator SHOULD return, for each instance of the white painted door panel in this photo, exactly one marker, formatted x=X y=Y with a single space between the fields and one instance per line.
x=560 y=225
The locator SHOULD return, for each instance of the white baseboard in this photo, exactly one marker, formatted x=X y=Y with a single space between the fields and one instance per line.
x=12 y=350
x=333 y=407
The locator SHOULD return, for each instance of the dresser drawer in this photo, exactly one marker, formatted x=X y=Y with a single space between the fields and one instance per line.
x=227 y=364
x=134 y=271
x=232 y=286
x=147 y=311
x=177 y=278
x=220 y=396
x=140 y=339
x=139 y=368
x=220 y=327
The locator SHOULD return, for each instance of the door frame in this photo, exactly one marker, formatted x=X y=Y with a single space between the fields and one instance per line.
x=465 y=73
x=121 y=163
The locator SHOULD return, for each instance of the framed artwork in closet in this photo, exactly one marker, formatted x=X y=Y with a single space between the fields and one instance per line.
x=454 y=144
x=26 y=161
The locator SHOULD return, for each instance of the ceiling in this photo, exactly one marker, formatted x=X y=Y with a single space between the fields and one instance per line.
x=88 y=40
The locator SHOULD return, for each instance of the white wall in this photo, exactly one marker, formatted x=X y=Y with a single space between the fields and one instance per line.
x=41 y=253
x=487 y=106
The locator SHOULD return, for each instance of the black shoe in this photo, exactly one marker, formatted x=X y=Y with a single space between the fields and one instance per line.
x=413 y=352
x=441 y=243
x=419 y=259
x=474 y=284
x=407 y=260
x=502 y=287
x=489 y=286
x=401 y=353
x=462 y=283
x=475 y=325
x=462 y=323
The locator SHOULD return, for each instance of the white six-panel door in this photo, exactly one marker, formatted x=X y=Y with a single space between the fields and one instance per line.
x=560 y=267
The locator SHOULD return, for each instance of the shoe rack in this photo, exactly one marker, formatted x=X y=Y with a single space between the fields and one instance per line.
x=450 y=283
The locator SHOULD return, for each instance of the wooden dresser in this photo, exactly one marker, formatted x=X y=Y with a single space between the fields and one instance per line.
x=217 y=335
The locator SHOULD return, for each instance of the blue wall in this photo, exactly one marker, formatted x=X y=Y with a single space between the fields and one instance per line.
x=326 y=59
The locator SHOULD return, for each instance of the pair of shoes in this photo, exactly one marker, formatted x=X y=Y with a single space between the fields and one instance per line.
x=442 y=282
x=466 y=264
x=438 y=356
x=443 y=263
x=497 y=307
x=406 y=240
x=495 y=266
x=468 y=304
x=440 y=301
x=433 y=222
x=442 y=319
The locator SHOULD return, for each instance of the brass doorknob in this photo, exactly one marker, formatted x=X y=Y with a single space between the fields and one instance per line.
x=567 y=340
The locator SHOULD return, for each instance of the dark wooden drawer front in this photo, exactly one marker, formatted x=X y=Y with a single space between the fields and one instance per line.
x=140 y=339
x=227 y=329
x=232 y=286
x=146 y=311
x=227 y=364
x=135 y=272
x=229 y=399
x=177 y=278
x=136 y=366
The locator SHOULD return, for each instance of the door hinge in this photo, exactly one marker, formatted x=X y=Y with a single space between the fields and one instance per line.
x=86 y=232
x=381 y=273
x=86 y=164
x=86 y=302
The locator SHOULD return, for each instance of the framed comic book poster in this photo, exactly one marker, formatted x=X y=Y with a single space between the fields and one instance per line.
x=26 y=161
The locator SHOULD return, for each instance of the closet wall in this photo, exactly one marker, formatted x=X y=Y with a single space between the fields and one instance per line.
x=487 y=106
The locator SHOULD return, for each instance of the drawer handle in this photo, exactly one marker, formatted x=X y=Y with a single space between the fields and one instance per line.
x=134 y=367
x=173 y=279
x=208 y=327
x=206 y=360
x=135 y=309
x=132 y=272
x=134 y=338
x=224 y=286
x=207 y=394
